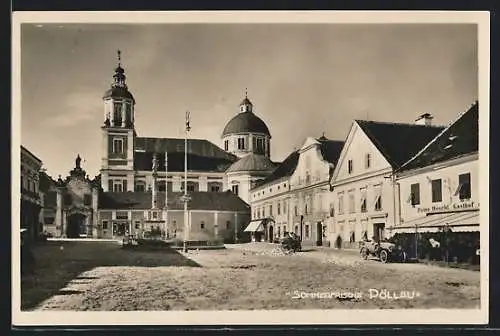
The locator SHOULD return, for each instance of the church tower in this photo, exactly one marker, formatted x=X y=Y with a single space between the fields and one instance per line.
x=118 y=135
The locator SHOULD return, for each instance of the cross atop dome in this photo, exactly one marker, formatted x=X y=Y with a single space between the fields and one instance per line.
x=246 y=105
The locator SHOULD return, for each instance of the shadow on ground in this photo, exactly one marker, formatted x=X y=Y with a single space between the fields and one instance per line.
x=59 y=262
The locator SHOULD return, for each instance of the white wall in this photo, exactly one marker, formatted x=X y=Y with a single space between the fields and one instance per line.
x=449 y=173
x=233 y=143
x=372 y=180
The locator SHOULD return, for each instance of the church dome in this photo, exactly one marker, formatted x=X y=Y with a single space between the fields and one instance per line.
x=252 y=163
x=118 y=92
x=245 y=122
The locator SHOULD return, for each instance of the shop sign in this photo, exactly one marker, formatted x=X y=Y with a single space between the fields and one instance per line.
x=449 y=207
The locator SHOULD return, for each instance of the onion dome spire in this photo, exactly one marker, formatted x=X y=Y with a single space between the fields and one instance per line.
x=119 y=76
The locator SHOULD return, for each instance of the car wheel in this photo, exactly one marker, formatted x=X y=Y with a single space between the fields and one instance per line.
x=383 y=256
x=364 y=253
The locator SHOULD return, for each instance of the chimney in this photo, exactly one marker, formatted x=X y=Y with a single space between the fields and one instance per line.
x=424 y=119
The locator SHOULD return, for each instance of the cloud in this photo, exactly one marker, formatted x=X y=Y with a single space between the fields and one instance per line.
x=78 y=108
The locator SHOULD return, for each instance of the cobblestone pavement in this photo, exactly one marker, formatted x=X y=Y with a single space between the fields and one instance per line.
x=251 y=276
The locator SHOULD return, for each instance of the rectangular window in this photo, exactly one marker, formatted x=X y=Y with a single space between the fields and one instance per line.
x=415 y=194
x=117 y=186
x=270 y=210
x=235 y=190
x=437 y=193
x=117 y=115
x=349 y=166
x=226 y=145
x=284 y=207
x=228 y=224
x=260 y=146
x=378 y=202
x=154 y=214
x=121 y=215
x=117 y=146
x=202 y=225
x=296 y=210
x=464 y=189
x=140 y=187
x=332 y=212
x=351 y=203
x=104 y=225
x=241 y=143
x=191 y=186
x=368 y=160
x=279 y=208
x=363 y=203
x=307 y=231
x=215 y=188
x=137 y=225
x=87 y=199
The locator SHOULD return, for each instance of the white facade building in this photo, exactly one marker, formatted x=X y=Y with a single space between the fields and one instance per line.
x=440 y=185
x=364 y=196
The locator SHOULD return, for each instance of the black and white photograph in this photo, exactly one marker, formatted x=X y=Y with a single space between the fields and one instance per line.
x=250 y=167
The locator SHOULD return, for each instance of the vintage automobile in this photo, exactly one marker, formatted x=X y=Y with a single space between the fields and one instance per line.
x=291 y=243
x=384 y=251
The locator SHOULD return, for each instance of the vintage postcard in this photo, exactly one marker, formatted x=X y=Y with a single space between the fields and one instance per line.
x=194 y=168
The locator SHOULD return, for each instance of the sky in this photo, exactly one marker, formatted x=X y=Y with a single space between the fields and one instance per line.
x=303 y=79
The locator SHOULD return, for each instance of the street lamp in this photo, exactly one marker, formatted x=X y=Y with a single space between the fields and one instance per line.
x=185 y=197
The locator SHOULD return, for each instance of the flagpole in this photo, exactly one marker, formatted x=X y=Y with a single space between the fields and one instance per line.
x=186 y=217
x=165 y=228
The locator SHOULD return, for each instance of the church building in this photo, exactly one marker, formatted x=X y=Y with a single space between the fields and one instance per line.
x=141 y=184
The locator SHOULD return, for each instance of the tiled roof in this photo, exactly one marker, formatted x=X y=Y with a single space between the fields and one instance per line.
x=398 y=142
x=199 y=147
x=285 y=169
x=45 y=182
x=217 y=201
x=460 y=138
x=330 y=149
x=144 y=161
x=246 y=122
x=252 y=163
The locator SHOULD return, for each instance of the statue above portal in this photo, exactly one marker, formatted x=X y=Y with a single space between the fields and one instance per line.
x=78 y=161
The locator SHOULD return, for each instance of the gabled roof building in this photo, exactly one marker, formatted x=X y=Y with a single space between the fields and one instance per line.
x=364 y=202
x=440 y=185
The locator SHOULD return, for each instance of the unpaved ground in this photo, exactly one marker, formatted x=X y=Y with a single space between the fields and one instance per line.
x=251 y=276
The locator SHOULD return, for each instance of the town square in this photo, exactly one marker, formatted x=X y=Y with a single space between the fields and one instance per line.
x=210 y=167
